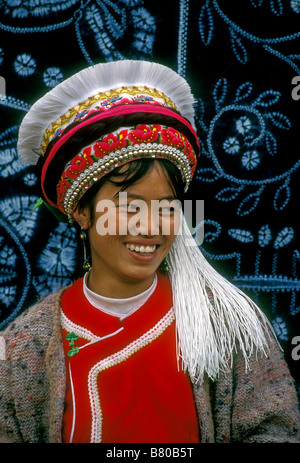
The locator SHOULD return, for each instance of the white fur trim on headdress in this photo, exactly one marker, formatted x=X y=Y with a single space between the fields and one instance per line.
x=213 y=317
x=90 y=81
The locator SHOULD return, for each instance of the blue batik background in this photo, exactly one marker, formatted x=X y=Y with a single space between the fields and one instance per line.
x=240 y=59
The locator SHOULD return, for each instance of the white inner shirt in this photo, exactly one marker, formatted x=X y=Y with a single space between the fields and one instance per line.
x=114 y=306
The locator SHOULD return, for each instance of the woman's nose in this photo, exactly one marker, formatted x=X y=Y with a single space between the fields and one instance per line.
x=144 y=222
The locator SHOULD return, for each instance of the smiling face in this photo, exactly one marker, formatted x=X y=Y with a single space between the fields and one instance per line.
x=140 y=234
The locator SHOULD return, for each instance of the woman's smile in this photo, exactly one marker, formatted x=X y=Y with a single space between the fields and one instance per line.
x=124 y=264
x=142 y=253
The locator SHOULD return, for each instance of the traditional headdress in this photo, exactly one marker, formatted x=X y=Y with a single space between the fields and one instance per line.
x=137 y=110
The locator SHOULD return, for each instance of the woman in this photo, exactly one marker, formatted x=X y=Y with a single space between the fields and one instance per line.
x=152 y=345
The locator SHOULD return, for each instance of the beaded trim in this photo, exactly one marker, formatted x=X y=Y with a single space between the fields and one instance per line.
x=117 y=148
x=69 y=326
x=79 y=110
x=115 y=359
x=93 y=173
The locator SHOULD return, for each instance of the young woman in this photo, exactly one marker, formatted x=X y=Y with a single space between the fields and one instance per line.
x=152 y=345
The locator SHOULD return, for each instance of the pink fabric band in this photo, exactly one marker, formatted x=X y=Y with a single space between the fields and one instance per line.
x=117 y=111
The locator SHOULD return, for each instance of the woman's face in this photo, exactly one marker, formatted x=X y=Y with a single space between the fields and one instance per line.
x=130 y=234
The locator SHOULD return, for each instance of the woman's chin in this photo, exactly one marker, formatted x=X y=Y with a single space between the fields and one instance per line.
x=139 y=274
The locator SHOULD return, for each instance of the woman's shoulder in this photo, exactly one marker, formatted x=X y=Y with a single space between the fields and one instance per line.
x=34 y=322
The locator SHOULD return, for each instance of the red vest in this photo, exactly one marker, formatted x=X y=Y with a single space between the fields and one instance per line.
x=123 y=382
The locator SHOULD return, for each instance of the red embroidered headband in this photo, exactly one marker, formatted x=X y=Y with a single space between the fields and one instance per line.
x=118 y=148
x=149 y=116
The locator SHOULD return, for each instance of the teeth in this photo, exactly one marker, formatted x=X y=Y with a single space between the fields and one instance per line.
x=141 y=249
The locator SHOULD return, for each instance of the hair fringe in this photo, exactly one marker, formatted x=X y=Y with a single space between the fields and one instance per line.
x=92 y=80
x=213 y=317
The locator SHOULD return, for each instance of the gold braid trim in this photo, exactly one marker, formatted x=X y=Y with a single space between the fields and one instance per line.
x=90 y=101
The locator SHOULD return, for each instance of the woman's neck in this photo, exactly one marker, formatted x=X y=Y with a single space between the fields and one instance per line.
x=118 y=289
x=117 y=306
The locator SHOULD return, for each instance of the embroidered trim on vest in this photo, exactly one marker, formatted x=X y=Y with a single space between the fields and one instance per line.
x=69 y=326
x=118 y=357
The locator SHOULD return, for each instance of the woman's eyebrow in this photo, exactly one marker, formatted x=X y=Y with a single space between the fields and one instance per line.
x=136 y=196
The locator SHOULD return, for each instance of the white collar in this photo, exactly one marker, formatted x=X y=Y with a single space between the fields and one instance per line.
x=114 y=306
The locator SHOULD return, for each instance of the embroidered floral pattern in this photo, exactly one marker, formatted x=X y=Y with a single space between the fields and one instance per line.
x=144 y=134
x=102 y=103
x=172 y=137
x=62 y=187
x=114 y=149
x=102 y=31
x=110 y=142
x=79 y=163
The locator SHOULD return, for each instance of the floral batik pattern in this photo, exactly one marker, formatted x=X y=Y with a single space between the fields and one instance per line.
x=240 y=59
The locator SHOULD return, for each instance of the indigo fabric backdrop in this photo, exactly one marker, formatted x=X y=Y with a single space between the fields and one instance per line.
x=240 y=59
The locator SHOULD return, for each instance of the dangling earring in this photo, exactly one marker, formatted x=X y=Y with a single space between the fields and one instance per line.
x=164 y=267
x=86 y=264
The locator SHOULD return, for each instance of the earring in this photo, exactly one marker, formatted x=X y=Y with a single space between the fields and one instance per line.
x=164 y=267
x=86 y=263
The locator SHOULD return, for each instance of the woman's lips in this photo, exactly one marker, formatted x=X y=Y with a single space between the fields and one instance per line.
x=141 y=252
x=148 y=249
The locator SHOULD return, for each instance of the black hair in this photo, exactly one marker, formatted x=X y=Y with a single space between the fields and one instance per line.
x=135 y=170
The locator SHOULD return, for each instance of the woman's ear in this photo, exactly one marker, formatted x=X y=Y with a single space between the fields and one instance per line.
x=82 y=217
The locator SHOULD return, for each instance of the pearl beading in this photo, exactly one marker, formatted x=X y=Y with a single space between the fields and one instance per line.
x=150 y=150
x=115 y=359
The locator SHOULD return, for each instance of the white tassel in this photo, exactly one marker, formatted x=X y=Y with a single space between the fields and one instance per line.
x=90 y=81
x=210 y=327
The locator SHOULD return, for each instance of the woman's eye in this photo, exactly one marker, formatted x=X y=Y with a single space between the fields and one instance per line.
x=167 y=210
x=129 y=207
x=133 y=208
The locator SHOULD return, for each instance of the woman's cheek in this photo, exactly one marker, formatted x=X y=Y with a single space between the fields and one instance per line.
x=106 y=218
x=122 y=223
